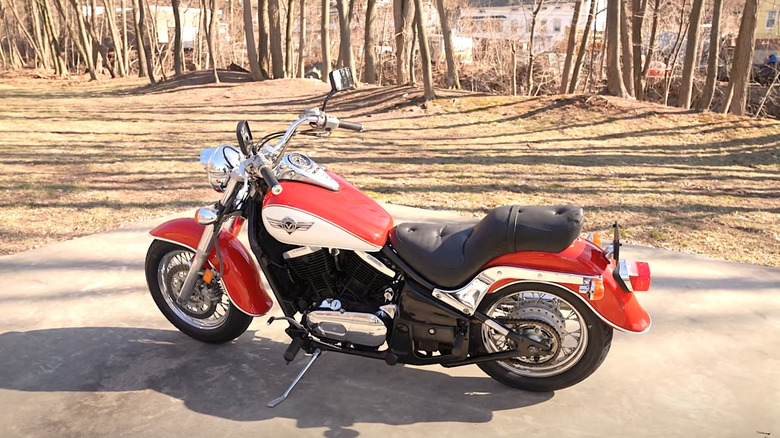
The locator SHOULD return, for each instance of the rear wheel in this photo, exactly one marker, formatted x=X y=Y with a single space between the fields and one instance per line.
x=208 y=316
x=579 y=341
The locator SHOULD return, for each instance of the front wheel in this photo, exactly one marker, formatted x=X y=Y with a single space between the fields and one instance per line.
x=209 y=316
x=579 y=341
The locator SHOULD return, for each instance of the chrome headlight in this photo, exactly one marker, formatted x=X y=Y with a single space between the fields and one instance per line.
x=219 y=162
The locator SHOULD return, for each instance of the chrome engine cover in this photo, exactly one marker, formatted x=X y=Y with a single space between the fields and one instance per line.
x=358 y=328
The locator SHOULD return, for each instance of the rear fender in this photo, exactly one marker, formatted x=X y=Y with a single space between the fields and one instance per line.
x=240 y=275
x=618 y=309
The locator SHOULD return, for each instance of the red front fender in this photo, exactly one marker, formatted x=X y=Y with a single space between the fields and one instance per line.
x=617 y=308
x=240 y=274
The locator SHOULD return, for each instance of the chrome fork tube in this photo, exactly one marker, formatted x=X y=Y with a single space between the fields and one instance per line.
x=204 y=247
x=204 y=244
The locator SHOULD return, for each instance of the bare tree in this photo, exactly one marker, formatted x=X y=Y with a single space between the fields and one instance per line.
x=368 y=42
x=583 y=47
x=275 y=38
x=712 y=58
x=403 y=12
x=288 y=44
x=572 y=42
x=651 y=42
x=425 y=51
x=529 y=77
x=325 y=36
x=691 y=57
x=302 y=42
x=739 y=79
x=178 y=60
x=453 y=81
x=345 y=47
x=211 y=37
x=615 y=84
x=251 y=48
x=638 y=8
x=625 y=46
x=262 y=30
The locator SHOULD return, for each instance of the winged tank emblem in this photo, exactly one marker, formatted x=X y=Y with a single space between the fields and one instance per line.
x=290 y=225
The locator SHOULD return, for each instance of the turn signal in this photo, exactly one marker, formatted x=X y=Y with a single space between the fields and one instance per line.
x=595 y=238
x=594 y=289
x=208 y=276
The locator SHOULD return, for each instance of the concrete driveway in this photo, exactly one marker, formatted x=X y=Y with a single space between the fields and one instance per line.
x=85 y=352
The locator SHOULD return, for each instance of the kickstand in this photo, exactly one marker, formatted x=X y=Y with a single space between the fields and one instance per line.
x=295 y=381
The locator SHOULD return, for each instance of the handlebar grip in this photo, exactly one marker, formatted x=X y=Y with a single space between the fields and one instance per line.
x=357 y=127
x=270 y=179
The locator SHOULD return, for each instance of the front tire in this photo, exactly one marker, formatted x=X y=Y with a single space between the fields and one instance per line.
x=209 y=316
x=579 y=341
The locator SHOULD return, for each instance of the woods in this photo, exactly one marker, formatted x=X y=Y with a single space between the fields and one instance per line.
x=689 y=53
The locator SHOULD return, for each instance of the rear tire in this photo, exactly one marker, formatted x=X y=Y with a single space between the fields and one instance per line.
x=579 y=340
x=209 y=316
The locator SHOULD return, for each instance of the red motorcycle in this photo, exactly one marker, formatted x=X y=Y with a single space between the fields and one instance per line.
x=517 y=293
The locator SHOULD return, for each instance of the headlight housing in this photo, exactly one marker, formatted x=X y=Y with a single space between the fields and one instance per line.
x=219 y=162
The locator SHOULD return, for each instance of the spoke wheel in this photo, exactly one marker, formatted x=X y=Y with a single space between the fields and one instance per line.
x=208 y=316
x=577 y=341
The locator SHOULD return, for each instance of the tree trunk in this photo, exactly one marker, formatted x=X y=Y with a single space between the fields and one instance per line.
x=368 y=42
x=412 y=53
x=403 y=11
x=674 y=54
x=275 y=38
x=97 y=43
x=178 y=61
x=110 y=14
x=251 y=49
x=345 y=47
x=627 y=60
x=30 y=39
x=453 y=80
x=302 y=42
x=739 y=79
x=56 y=43
x=262 y=30
x=125 y=45
x=212 y=36
x=570 y=46
x=425 y=50
x=583 y=48
x=514 y=68
x=288 y=43
x=638 y=8
x=691 y=57
x=529 y=76
x=651 y=42
x=325 y=35
x=84 y=38
x=712 y=58
x=615 y=85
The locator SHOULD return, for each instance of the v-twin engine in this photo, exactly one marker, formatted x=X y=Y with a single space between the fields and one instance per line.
x=357 y=328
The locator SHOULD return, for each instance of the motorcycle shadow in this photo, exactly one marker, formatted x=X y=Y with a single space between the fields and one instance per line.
x=236 y=380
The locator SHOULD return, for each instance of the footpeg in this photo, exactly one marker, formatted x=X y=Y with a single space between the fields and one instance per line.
x=293 y=349
x=295 y=381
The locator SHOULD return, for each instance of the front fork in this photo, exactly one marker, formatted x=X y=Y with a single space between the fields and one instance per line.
x=211 y=218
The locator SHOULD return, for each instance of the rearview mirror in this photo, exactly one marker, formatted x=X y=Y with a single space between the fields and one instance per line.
x=341 y=79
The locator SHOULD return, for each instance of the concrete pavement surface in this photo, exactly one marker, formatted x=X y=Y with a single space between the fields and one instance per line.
x=84 y=352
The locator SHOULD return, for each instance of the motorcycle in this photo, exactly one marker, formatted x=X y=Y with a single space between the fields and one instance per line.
x=519 y=292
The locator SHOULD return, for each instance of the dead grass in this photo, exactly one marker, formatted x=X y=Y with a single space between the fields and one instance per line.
x=85 y=157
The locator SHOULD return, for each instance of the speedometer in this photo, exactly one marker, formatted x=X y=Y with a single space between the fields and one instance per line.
x=300 y=160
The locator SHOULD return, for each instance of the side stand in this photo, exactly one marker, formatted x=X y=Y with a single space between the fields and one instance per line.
x=283 y=397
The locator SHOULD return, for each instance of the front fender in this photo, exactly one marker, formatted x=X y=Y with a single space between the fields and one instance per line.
x=618 y=309
x=240 y=275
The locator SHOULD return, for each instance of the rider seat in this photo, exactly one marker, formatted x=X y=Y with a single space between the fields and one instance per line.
x=450 y=254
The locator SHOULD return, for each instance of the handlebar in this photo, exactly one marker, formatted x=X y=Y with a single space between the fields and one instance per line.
x=357 y=127
x=268 y=175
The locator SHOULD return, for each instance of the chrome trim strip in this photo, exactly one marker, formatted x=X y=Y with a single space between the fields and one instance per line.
x=467 y=298
x=375 y=263
x=626 y=270
x=302 y=251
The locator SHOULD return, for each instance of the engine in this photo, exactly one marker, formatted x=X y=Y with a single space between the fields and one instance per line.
x=345 y=290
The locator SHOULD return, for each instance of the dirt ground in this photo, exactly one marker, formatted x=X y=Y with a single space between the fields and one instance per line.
x=77 y=158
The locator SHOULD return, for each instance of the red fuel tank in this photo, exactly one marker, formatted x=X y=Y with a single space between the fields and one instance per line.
x=308 y=215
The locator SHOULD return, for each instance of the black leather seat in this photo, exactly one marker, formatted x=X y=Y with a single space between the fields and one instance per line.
x=450 y=254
